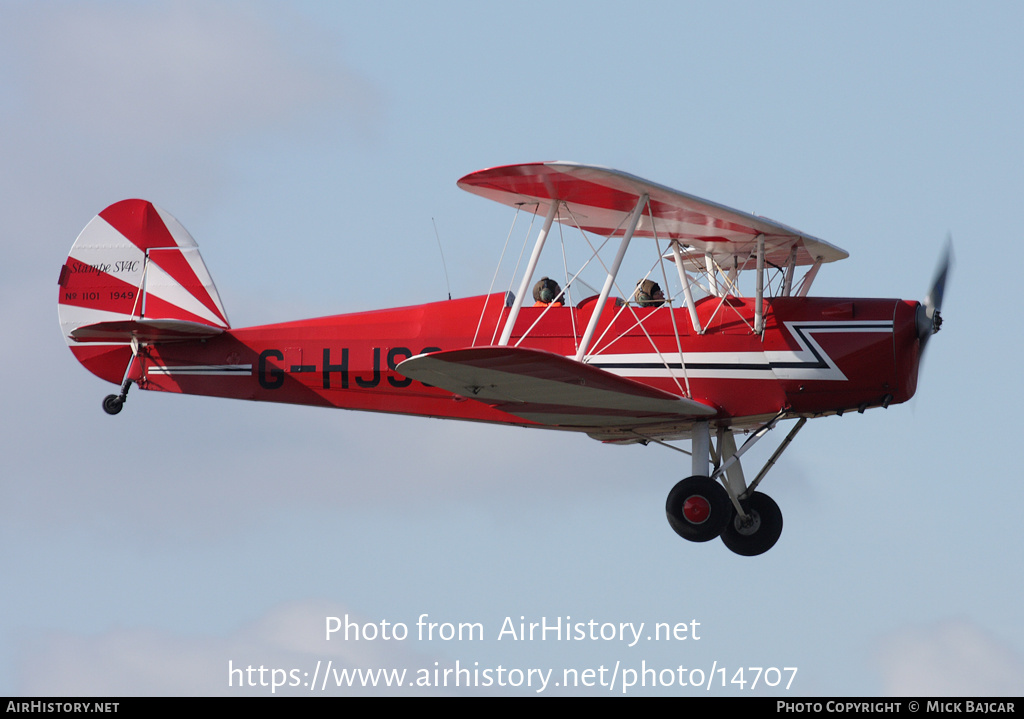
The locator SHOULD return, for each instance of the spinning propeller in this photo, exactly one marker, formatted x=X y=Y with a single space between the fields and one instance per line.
x=929 y=318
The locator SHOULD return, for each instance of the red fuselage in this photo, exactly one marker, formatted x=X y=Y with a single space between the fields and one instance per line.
x=816 y=356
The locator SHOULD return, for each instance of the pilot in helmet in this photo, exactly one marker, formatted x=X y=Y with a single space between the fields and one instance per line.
x=649 y=294
x=545 y=292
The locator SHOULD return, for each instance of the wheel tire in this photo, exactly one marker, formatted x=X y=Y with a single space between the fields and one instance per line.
x=761 y=533
x=112 y=404
x=698 y=509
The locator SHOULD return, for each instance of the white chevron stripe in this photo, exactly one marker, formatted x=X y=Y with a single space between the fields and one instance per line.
x=746 y=365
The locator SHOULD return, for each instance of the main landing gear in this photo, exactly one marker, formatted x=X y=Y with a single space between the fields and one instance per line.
x=700 y=508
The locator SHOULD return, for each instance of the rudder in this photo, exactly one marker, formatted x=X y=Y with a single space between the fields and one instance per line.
x=134 y=273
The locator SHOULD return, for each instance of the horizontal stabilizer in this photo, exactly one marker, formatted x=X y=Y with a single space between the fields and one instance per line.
x=547 y=388
x=145 y=331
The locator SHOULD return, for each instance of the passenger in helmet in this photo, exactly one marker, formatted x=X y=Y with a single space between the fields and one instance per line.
x=546 y=292
x=649 y=294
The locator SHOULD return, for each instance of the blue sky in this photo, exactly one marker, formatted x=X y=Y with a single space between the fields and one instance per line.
x=309 y=148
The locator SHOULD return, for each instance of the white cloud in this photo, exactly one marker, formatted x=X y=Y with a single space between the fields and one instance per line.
x=950 y=658
x=103 y=101
x=290 y=639
x=176 y=70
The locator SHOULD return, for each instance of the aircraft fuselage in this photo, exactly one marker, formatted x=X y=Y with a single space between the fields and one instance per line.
x=816 y=355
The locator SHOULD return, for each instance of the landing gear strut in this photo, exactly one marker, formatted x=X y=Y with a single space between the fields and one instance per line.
x=699 y=508
x=113 y=403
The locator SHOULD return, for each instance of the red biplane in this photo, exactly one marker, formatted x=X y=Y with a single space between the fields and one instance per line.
x=622 y=360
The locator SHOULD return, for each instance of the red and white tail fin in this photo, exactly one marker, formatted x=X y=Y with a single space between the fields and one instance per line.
x=134 y=273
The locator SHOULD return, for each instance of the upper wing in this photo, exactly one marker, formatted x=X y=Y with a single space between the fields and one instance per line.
x=599 y=199
x=549 y=389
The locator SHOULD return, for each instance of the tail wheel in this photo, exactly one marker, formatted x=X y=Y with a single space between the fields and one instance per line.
x=112 y=404
x=698 y=509
x=759 y=532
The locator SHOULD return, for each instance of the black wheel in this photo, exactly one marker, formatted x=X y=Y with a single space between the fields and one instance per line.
x=698 y=509
x=760 y=532
x=112 y=404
